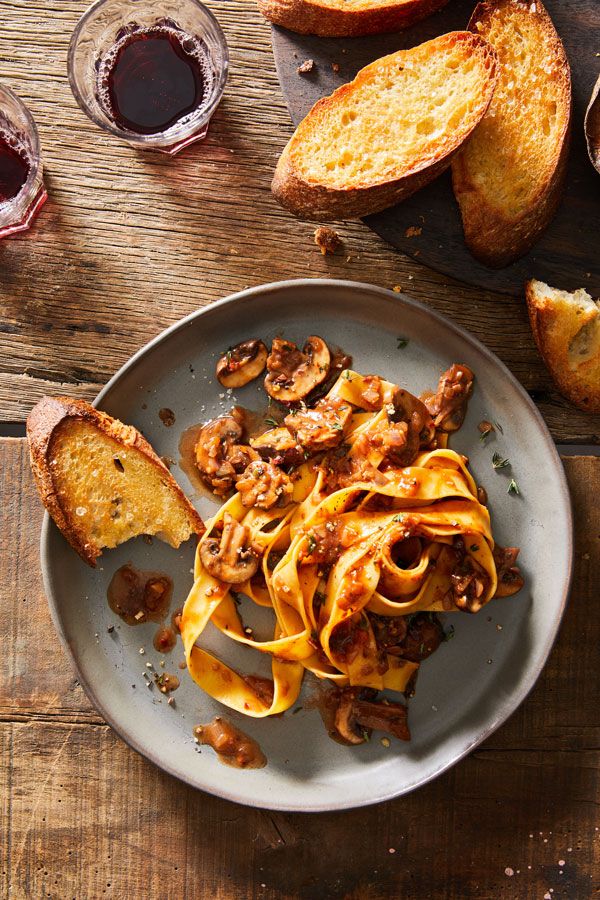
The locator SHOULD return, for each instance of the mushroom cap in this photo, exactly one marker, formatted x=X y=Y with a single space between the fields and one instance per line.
x=242 y=363
x=230 y=558
x=293 y=373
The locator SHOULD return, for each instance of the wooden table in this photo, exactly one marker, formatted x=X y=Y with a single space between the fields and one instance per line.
x=127 y=244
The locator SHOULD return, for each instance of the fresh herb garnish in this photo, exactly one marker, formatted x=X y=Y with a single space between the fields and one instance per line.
x=347 y=375
x=402 y=343
x=272 y=422
x=448 y=635
x=499 y=427
x=498 y=462
x=513 y=487
x=398 y=518
x=337 y=426
x=421 y=648
x=312 y=543
x=474 y=548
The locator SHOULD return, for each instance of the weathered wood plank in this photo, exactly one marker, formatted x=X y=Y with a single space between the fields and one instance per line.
x=84 y=816
x=130 y=242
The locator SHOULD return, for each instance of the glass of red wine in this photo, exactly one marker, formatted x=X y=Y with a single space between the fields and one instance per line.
x=22 y=191
x=151 y=72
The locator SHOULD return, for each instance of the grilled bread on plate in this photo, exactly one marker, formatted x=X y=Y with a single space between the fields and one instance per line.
x=101 y=481
x=389 y=132
x=508 y=179
x=566 y=328
x=347 y=18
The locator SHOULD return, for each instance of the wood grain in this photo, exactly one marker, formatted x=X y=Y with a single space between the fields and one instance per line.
x=130 y=242
x=82 y=815
x=567 y=253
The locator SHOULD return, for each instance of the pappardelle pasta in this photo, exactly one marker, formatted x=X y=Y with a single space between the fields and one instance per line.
x=355 y=523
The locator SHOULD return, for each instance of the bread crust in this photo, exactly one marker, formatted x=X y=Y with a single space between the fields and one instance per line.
x=495 y=239
x=44 y=420
x=310 y=200
x=553 y=330
x=317 y=17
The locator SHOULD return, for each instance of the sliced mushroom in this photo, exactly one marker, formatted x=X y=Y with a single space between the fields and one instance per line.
x=592 y=127
x=356 y=717
x=219 y=456
x=293 y=373
x=320 y=428
x=406 y=408
x=230 y=558
x=242 y=363
x=345 y=721
x=510 y=580
x=264 y=485
x=448 y=406
x=279 y=446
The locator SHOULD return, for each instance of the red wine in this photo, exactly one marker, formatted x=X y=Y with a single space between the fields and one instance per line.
x=14 y=169
x=153 y=78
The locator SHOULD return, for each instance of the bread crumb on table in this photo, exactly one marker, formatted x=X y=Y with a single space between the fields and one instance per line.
x=306 y=67
x=327 y=239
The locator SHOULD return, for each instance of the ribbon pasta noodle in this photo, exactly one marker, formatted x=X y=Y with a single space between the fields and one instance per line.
x=361 y=540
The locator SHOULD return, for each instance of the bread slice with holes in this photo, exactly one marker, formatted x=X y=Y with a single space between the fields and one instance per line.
x=347 y=18
x=508 y=179
x=566 y=328
x=101 y=481
x=378 y=139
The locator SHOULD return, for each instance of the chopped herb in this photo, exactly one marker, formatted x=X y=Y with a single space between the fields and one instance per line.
x=228 y=355
x=499 y=427
x=402 y=343
x=272 y=422
x=474 y=548
x=484 y=436
x=312 y=543
x=296 y=710
x=513 y=487
x=421 y=648
x=236 y=598
x=323 y=368
x=448 y=635
x=498 y=462
x=366 y=736
x=347 y=375
x=398 y=518
x=338 y=426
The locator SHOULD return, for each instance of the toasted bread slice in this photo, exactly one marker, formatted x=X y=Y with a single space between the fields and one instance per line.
x=101 y=481
x=566 y=328
x=347 y=18
x=508 y=179
x=389 y=132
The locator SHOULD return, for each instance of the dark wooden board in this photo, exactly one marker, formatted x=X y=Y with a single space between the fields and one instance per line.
x=567 y=254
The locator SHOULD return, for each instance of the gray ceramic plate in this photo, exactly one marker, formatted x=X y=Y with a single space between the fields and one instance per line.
x=465 y=691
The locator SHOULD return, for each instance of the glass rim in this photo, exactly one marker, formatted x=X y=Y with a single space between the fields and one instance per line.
x=26 y=195
x=176 y=133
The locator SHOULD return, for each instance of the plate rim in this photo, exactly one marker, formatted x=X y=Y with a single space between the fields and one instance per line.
x=507 y=708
